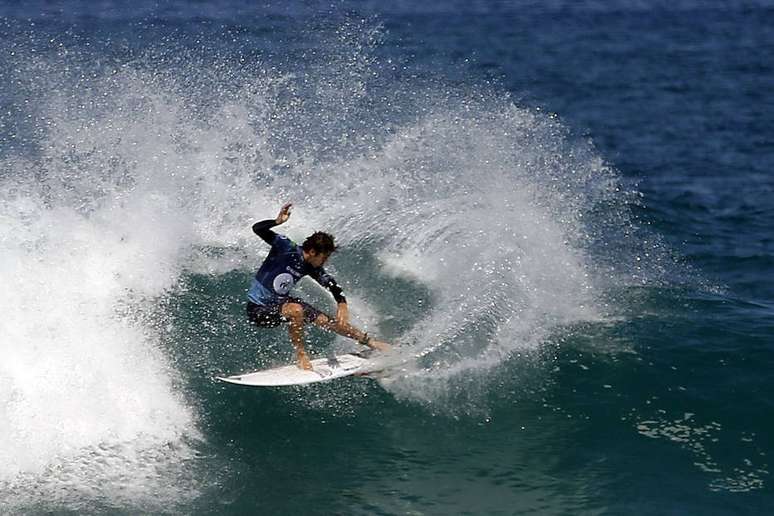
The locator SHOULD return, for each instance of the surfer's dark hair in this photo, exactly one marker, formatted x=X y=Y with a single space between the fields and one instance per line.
x=320 y=242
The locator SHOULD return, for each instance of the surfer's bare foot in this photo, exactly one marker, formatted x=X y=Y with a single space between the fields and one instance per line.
x=303 y=361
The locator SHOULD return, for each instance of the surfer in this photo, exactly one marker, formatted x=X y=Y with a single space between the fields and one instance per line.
x=269 y=302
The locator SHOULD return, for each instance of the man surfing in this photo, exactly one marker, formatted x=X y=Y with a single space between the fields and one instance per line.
x=269 y=302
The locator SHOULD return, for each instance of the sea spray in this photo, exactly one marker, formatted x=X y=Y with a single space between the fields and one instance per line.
x=483 y=205
x=477 y=224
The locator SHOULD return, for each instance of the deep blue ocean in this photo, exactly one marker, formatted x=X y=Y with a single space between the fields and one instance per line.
x=560 y=212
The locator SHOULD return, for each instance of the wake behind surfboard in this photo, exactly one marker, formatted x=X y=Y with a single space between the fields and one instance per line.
x=323 y=369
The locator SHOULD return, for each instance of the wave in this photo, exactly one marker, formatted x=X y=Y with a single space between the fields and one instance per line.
x=479 y=225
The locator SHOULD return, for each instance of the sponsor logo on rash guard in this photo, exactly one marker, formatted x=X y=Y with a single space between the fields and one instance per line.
x=283 y=283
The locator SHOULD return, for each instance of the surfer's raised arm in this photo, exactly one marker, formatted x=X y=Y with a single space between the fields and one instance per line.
x=284 y=213
x=263 y=228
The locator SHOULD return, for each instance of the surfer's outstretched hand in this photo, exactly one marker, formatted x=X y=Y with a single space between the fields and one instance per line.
x=284 y=214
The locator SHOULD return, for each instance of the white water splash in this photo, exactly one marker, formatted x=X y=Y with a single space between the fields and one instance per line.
x=487 y=207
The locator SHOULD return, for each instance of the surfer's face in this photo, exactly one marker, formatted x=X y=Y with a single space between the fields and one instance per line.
x=316 y=259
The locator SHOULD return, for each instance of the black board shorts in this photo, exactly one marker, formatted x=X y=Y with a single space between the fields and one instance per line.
x=270 y=316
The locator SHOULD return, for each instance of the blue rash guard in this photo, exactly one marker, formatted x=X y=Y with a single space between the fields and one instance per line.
x=283 y=267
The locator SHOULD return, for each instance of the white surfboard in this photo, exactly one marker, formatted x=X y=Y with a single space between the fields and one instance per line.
x=323 y=369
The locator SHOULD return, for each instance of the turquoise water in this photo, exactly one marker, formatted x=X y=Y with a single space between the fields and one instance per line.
x=560 y=214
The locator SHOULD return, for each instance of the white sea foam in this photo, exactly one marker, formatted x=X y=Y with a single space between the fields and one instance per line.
x=94 y=229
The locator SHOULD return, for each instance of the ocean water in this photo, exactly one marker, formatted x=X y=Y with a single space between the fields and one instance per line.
x=560 y=212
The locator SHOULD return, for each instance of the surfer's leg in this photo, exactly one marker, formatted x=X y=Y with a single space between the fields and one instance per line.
x=294 y=313
x=347 y=330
